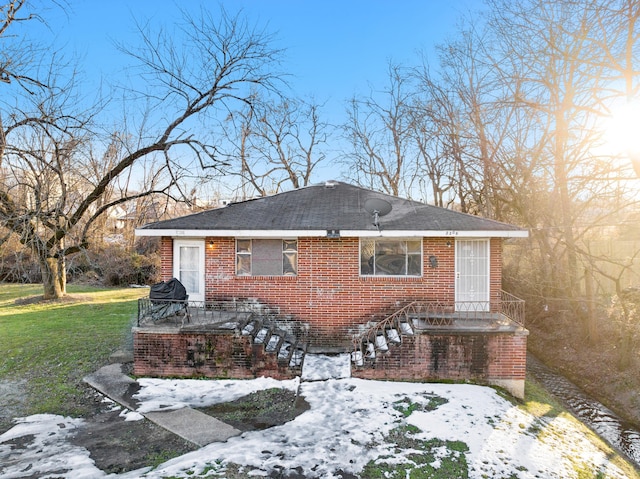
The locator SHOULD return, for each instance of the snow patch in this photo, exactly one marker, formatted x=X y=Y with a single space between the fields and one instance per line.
x=347 y=426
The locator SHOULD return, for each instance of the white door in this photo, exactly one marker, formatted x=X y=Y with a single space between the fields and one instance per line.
x=188 y=266
x=472 y=275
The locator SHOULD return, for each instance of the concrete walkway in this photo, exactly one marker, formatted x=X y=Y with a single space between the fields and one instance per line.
x=190 y=424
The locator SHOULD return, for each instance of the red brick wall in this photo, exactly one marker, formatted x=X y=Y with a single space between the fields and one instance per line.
x=201 y=354
x=166 y=255
x=328 y=292
x=482 y=357
x=508 y=356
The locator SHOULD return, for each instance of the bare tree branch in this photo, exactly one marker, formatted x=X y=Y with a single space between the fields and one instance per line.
x=57 y=183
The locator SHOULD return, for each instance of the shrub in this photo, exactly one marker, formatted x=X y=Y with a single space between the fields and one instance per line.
x=624 y=316
x=118 y=266
x=17 y=264
x=108 y=265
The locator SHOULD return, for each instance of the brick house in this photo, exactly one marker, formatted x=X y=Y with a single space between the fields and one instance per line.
x=339 y=265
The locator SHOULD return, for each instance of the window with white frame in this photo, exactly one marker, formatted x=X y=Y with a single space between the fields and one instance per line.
x=390 y=257
x=266 y=257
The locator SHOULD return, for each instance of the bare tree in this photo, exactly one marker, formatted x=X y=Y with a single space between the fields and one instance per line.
x=439 y=134
x=18 y=57
x=430 y=113
x=50 y=202
x=469 y=73
x=564 y=67
x=616 y=36
x=379 y=129
x=278 y=145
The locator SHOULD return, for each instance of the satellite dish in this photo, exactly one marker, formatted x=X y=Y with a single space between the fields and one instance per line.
x=373 y=205
x=377 y=207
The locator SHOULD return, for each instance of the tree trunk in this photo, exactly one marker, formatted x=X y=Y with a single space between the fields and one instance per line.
x=591 y=320
x=53 y=280
x=62 y=275
x=565 y=207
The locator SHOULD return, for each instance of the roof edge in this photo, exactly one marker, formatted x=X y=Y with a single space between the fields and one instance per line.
x=180 y=233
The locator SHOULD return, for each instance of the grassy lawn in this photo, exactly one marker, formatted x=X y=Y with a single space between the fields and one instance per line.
x=52 y=345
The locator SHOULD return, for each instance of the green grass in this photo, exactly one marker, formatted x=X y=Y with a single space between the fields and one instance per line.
x=420 y=462
x=544 y=407
x=54 y=344
x=406 y=407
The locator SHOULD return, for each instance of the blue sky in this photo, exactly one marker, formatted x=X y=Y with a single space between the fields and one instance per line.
x=334 y=49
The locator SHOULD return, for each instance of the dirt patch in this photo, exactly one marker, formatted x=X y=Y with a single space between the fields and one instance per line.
x=117 y=445
x=13 y=398
x=260 y=410
x=40 y=299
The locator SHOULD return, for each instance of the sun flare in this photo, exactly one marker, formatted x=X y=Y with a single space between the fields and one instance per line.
x=622 y=130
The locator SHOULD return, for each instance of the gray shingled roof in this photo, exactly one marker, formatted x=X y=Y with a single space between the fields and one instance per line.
x=331 y=205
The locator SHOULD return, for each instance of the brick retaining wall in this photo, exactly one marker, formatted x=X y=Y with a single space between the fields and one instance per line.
x=491 y=358
x=172 y=353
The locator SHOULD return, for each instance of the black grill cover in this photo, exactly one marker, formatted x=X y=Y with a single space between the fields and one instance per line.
x=168 y=290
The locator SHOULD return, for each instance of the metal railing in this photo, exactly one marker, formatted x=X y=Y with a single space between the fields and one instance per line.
x=512 y=307
x=420 y=314
x=424 y=315
x=152 y=311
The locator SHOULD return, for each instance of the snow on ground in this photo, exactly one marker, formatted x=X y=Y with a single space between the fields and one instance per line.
x=44 y=449
x=171 y=394
x=347 y=426
x=318 y=367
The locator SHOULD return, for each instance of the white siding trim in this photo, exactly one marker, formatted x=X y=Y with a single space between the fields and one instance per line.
x=175 y=233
